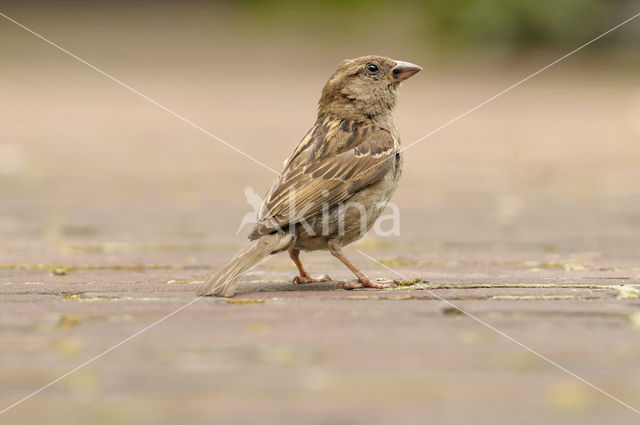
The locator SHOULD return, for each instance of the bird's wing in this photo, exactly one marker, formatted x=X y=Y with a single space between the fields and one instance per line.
x=334 y=161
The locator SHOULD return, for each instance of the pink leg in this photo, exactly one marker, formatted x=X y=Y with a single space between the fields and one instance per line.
x=335 y=247
x=303 y=276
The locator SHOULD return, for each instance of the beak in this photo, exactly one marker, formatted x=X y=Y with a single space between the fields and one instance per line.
x=404 y=70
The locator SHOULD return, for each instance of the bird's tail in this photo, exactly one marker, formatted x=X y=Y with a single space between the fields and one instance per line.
x=223 y=283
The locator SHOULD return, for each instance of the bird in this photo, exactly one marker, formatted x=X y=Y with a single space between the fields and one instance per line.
x=338 y=179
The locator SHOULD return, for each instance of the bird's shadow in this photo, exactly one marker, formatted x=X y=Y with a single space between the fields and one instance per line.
x=290 y=287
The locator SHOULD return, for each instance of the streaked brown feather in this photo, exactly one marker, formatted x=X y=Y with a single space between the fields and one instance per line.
x=322 y=171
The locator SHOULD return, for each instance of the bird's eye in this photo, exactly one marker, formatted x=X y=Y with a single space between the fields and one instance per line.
x=372 y=67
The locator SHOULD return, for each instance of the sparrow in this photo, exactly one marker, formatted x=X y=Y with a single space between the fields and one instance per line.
x=338 y=179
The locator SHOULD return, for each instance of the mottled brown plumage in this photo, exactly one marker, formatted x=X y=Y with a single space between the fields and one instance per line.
x=338 y=179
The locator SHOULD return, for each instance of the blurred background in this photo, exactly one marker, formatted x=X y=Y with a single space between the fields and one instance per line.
x=82 y=157
x=105 y=196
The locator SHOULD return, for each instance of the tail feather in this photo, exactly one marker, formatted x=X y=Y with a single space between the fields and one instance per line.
x=224 y=282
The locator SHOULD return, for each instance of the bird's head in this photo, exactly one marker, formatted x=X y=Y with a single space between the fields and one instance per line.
x=365 y=86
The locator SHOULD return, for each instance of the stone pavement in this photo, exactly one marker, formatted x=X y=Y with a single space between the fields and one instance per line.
x=283 y=353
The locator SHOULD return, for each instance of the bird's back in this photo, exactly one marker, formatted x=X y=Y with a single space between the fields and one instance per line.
x=337 y=158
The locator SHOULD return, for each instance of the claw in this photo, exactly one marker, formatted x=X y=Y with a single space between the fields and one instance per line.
x=360 y=283
x=349 y=285
x=308 y=279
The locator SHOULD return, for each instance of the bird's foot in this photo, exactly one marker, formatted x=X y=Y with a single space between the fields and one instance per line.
x=365 y=282
x=308 y=279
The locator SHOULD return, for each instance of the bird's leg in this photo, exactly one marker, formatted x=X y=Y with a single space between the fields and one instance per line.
x=335 y=247
x=303 y=276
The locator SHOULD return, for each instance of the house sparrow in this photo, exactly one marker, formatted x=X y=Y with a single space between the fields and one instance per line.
x=338 y=179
